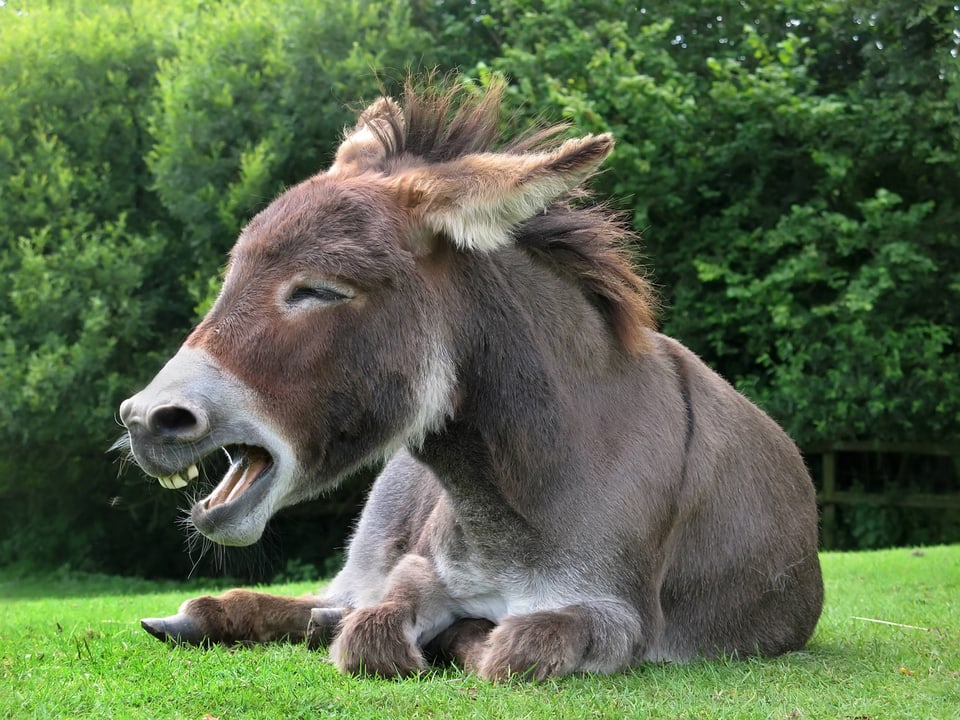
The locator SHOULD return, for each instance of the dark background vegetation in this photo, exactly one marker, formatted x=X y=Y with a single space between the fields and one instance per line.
x=793 y=166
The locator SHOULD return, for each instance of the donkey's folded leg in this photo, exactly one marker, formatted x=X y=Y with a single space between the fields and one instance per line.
x=384 y=639
x=236 y=616
x=462 y=643
x=604 y=637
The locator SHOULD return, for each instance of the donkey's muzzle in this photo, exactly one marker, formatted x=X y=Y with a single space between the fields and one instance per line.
x=158 y=434
x=170 y=421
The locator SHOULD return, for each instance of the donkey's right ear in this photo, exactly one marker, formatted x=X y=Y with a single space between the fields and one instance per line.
x=365 y=146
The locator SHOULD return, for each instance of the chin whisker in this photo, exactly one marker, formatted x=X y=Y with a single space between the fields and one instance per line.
x=125 y=453
x=197 y=545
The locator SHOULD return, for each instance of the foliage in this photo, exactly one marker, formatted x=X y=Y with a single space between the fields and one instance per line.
x=74 y=649
x=82 y=288
x=791 y=166
x=791 y=169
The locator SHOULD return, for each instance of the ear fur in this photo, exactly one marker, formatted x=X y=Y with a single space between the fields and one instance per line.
x=477 y=199
x=363 y=147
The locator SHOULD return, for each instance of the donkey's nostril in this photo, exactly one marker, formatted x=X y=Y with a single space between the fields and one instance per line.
x=177 y=421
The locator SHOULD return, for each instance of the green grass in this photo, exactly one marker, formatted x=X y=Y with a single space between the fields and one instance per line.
x=72 y=647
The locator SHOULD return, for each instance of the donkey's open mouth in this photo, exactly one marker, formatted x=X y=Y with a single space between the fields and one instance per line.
x=247 y=465
x=196 y=421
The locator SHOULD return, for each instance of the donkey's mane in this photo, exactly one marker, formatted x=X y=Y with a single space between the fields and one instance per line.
x=587 y=244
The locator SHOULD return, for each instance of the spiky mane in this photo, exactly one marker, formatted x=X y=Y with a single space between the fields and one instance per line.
x=441 y=122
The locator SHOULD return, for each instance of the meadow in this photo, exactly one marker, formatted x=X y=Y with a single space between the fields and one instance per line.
x=887 y=646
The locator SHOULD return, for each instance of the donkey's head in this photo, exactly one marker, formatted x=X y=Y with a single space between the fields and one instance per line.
x=330 y=344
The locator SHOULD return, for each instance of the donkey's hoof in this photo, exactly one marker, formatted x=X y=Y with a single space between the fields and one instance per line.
x=323 y=626
x=178 y=629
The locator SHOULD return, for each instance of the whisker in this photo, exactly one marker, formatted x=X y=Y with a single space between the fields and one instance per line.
x=124 y=453
x=121 y=443
x=197 y=546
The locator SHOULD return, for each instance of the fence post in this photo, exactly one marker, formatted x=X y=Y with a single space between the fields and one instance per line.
x=828 y=515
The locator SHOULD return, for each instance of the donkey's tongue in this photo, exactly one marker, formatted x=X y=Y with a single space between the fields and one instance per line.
x=240 y=476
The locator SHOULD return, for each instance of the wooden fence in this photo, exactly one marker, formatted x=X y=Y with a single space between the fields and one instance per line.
x=830 y=497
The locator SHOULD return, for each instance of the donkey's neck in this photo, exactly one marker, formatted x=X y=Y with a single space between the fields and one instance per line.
x=532 y=353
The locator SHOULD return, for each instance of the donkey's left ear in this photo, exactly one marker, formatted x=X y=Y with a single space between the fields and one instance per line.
x=364 y=147
x=476 y=200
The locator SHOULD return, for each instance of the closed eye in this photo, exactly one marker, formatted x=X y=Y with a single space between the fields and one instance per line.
x=324 y=294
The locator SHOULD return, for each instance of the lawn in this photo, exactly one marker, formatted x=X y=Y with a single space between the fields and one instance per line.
x=71 y=646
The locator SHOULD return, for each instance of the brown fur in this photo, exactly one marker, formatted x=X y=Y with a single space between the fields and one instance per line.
x=463 y=643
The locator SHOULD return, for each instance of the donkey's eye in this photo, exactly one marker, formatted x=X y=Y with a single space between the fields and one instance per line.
x=324 y=294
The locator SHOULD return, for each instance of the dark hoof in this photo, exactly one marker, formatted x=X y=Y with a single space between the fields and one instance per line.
x=178 y=629
x=323 y=626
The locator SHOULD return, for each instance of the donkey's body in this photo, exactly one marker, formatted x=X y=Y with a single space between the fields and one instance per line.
x=568 y=489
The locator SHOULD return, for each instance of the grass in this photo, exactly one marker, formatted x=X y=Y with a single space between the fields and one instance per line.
x=72 y=647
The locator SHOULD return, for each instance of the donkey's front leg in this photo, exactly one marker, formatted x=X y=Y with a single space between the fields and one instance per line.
x=236 y=616
x=385 y=639
x=603 y=636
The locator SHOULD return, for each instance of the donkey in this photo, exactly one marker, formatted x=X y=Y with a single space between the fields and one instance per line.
x=565 y=489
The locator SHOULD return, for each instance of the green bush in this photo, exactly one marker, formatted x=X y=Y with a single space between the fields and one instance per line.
x=82 y=244
x=138 y=138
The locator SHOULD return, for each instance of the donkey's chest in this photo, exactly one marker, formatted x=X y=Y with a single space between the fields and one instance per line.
x=491 y=571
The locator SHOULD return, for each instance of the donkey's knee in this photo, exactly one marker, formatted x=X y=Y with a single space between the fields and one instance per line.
x=600 y=638
x=376 y=641
x=534 y=646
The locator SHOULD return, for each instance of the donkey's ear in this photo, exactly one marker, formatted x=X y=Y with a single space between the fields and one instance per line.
x=478 y=199
x=365 y=146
